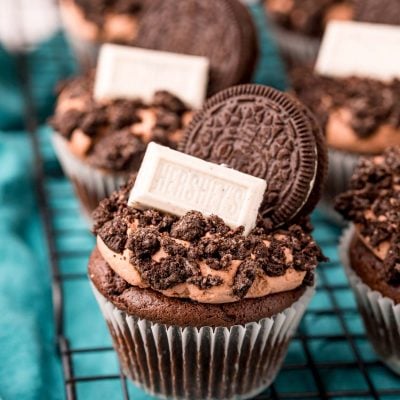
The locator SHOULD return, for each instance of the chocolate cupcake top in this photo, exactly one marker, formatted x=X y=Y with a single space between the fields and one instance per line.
x=358 y=114
x=113 y=135
x=200 y=257
x=309 y=17
x=373 y=204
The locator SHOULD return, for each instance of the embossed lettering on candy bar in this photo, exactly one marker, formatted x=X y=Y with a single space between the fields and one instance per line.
x=198 y=190
x=176 y=183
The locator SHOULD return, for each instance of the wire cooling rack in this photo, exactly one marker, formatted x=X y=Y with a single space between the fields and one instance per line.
x=329 y=358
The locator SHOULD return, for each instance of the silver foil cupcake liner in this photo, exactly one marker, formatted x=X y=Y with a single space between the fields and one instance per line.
x=91 y=184
x=295 y=47
x=380 y=314
x=175 y=362
x=340 y=171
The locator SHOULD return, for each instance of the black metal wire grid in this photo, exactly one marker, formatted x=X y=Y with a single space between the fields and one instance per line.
x=329 y=358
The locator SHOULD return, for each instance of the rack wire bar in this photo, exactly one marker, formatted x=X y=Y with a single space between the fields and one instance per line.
x=318 y=356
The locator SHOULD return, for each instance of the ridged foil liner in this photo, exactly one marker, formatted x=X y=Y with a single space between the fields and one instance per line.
x=380 y=314
x=173 y=362
x=295 y=47
x=340 y=171
x=91 y=184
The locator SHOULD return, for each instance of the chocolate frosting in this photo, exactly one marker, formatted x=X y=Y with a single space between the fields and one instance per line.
x=371 y=103
x=154 y=306
x=108 y=126
x=208 y=239
x=305 y=16
x=373 y=204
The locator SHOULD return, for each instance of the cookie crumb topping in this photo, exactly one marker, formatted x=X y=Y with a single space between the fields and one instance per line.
x=373 y=203
x=193 y=239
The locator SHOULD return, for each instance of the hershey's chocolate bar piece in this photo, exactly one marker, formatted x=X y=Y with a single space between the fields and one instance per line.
x=129 y=72
x=360 y=49
x=174 y=182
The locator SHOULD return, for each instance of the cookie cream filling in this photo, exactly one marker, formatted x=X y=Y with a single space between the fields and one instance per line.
x=263 y=285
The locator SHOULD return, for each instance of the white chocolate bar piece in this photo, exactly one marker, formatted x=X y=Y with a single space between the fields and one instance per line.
x=129 y=72
x=360 y=49
x=176 y=183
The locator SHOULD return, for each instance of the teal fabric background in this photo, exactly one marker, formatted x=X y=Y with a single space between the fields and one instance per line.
x=30 y=366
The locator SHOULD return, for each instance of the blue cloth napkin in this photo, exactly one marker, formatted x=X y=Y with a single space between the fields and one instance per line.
x=29 y=365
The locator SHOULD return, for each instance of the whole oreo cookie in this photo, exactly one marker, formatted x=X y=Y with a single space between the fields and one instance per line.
x=263 y=132
x=378 y=11
x=221 y=30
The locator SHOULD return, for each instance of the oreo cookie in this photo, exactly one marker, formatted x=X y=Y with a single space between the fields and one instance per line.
x=377 y=11
x=221 y=30
x=266 y=133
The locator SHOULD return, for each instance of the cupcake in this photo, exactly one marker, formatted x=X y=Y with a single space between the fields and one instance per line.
x=360 y=117
x=196 y=308
x=370 y=249
x=300 y=24
x=221 y=30
x=100 y=143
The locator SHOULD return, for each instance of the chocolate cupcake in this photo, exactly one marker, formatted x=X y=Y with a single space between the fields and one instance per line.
x=360 y=117
x=370 y=249
x=100 y=143
x=196 y=308
x=220 y=30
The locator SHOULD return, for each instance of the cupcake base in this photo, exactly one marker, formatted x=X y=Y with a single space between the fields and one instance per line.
x=174 y=361
x=380 y=314
x=202 y=363
x=91 y=185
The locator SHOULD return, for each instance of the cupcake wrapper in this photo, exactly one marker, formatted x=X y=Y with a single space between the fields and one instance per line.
x=202 y=363
x=91 y=184
x=295 y=47
x=340 y=171
x=380 y=314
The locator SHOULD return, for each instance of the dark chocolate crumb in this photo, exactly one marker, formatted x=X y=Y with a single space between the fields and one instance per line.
x=119 y=151
x=205 y=282
x=169 y=102
x=245 y=277
x=168 y=272
x=144 y=243
x=172 y=247
x=114 y=235
x=190 y=227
